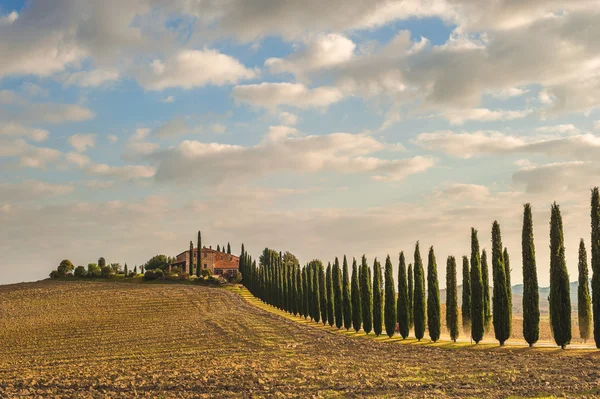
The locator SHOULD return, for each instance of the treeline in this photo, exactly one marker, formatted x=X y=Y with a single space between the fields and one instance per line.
x=355 y=296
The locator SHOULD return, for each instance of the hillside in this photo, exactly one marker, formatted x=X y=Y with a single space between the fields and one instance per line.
x=111 y=339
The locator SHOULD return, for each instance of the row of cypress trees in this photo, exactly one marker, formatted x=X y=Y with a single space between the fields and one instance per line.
x=362 y=301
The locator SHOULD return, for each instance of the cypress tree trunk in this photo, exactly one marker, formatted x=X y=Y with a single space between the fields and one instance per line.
x=560 y=300
x=466 y=297
x=199 y=255
x=477 y=316
x=500 y=303
x=330 y=304
x=531 y=296
x=433 y=298
x=508 y=270
x=366 y=296
x=323 y=293
x=485 y=280
x=410 y=281
x=584 y=311
x=356 y=299
x=419 y=311
x=390 y=299
x=595 y=216
x=451 y=299
x=337 y=294
x=403 y=302
x=377 y=299
x=346 y=296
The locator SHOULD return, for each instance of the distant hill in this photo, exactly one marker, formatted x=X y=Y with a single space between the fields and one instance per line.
x=517 y=291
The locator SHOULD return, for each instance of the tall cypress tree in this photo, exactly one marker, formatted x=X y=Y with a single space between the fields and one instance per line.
x=500 y=302
x=403 y=313
x=316 y=303
x=477 y=317
x=531 y=296
x=466 y=296
x=433 y=298
x=306 y=292
x=218 y=248
x=356 y=299
x=595 y=219
x=346 y=296
x=377 y=299
x=191 y=255
x=330 y=305
x=508 y=289
x=228 y=249
x=410 y=280
x=390 y=299
x=199 y=255
x=584 y=311
x=419 y=311
x=323 y=293
x=336 y=275
x=485 y=280
x=451 y=299
x=560 y=300
x=297 y=290
x=366 y=296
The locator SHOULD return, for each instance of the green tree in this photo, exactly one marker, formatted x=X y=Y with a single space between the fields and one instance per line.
x=366 y=294
x=156 y=262
x=377 y=299
x=595 y=219
x=101 y=262
x=93 y=270
x=419 y=311
x=410 y=279
x=330 y=304
x=218 y=248
x=500 y=300
x=531 y=296
x=80 y=271
x=356 y=299
x=584 y=311
x=402 y=307
x=433 y=298
x=126 y=271
x=135 y=270
x=346 y=296
x=65 y=267
x=323 y=293
x=390 y=299
x=300 y=291
x=466 y=296
x=336 y=275
x=477 y=316
x=451 y=298
x=228 y=249
x=306 y=282
x=191 y=256
x=485 y=280
x=199 y=258
x=508 y=289
x=316 y=302
x=560 y=300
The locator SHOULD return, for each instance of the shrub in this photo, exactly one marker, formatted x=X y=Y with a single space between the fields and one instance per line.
x=234 y=277
x=107 y=272
x=54 y=274
x=206 y=273
x=80 y=271
x=93 y=270
x=160 y=275
x=149 y=275
x=131 y=274
x=184 y=276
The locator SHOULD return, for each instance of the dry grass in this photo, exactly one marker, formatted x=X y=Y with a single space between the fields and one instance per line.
x=110 y=339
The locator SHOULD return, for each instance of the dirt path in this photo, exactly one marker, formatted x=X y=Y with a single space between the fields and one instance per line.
x=109 y=339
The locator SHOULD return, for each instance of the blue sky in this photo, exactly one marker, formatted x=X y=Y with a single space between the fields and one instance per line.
x=359 y=127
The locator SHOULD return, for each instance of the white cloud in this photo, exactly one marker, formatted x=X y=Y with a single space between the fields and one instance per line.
x=597 y=125
x=77 y=158
x=137 y=146
x=169 y=100
x=34 y=90
x=20 y=109
x=112 y=138
x=218 y=128
x=562 y=129
x=288 y=118
x=194 y=68
x=271 y=95
x=14 y=129
x=31 y=190
x=128 y=172
x=9 y=18
x=28 y=155
x=81 y=142
x=460 y=116
x=508 y=93
x=92 y=78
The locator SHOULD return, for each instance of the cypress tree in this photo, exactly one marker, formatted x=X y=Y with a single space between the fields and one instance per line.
x=477 y=317
x=294 y=291
x=433 y=298
x=508 y=289
x=125 y=270
x=346 y=296
x=191 y=255
x=560 y=300
x=135 y=269
x=402 y=307
x=466 y=296
x=306 y=292
x=485 y=280
x=410 y=280
x=377 y=298
x=419 y=311
x=595 y=219
x=323 y=293
x=199 y=260
x=337 y=293
x=531 y=296
x=300 y=291
x=356 y=299
x=218 y=248
x=228 y=249
x=584 y=311
x=330 y=304
x=390 y=299
x=366 y=296
x=500 y=300
x=316 y=301
x=451 y=299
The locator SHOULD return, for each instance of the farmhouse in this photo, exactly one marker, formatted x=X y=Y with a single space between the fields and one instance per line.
x=219 y=263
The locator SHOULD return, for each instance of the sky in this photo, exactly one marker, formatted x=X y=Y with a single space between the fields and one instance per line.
x=323 y=128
